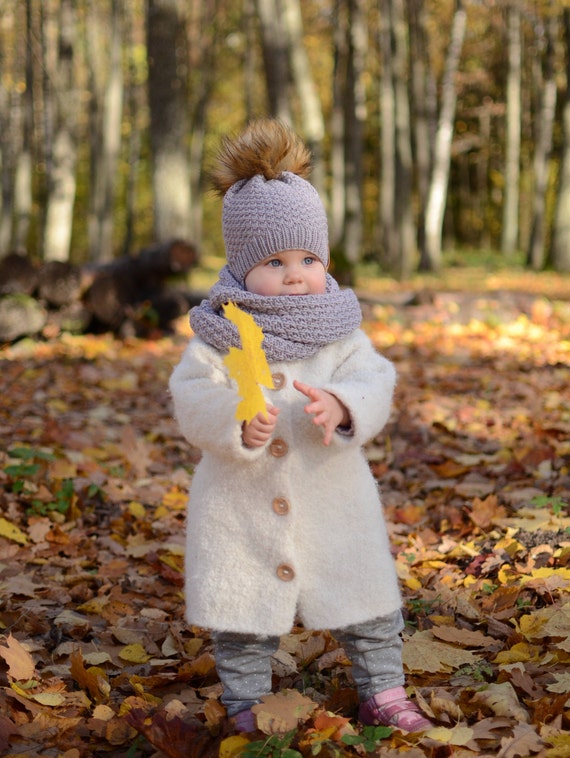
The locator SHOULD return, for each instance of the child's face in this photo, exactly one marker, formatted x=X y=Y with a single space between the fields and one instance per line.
x=290 y=272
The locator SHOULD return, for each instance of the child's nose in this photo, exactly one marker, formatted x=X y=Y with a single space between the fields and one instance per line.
x=293 y=273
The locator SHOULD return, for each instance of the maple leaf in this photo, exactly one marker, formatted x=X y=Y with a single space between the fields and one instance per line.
x=283 y=711
x=248 y=364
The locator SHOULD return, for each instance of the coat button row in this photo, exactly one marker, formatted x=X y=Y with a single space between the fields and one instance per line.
x=278 y=448
x=279 y=380
x=280 y=506
x=285 y=572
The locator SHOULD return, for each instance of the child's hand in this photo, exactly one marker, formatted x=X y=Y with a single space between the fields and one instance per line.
x=260 y=428
x=327 y=410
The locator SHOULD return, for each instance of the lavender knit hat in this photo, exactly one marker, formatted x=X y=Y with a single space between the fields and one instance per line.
x=268 y=204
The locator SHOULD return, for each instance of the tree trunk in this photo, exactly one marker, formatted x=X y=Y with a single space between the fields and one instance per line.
x=561 y=232
x=387 y=106
x=62 y=161
x=437 y=195
x=337 y=193
x=403 y=187
x=313 y=126
x=510 y=233
x=424 y=108
x=6 y=168
x=135 y=106
x=23 y=177
x=355 y=115
x=547 y=108
x=106 y=143
x=205 y=43
x=275 y=58
x=167 y=52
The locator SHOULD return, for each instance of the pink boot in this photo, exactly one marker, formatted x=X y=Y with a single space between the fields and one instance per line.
x=244 y=721
x=393 y=708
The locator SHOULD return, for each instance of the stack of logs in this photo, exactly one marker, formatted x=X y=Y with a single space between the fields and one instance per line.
x=133 y=295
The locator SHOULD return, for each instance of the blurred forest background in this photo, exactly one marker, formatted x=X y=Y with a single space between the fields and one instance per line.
x=436 y=125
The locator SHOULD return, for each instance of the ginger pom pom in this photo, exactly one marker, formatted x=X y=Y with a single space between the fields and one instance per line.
x=267 y=147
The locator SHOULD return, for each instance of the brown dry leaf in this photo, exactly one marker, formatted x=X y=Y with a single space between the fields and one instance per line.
x=463 y=637
x=502 y=700
x=524 y=742
x=21 y=665
x=422 y=653
x=283 y=711
x=93 y=679
x=485 y=512
x=7 y=730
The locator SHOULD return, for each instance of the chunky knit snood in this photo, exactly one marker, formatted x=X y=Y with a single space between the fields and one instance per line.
x=294 y=327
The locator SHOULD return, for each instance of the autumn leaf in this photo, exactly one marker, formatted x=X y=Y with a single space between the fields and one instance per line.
x=93 y=679
x=282 y=712
x=21 y=665
x=248 y=365
x=12 y=532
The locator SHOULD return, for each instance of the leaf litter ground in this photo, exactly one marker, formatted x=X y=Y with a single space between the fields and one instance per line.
x=95 y=656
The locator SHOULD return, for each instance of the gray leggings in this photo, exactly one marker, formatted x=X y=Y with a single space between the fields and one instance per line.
x=243 y=661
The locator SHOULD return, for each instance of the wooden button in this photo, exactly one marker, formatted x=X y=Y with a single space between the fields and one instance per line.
x=279 y=380
x=285 y=572
x=280 y=506
x=278 y=448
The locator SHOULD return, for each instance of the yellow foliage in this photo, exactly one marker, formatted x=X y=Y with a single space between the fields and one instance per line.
x=11 y=532
x=248 y=365
x=233 y=746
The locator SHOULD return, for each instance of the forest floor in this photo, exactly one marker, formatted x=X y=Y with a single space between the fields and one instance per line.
x=474 y=466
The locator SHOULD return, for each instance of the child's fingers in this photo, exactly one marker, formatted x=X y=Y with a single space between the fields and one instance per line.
x=306 y=389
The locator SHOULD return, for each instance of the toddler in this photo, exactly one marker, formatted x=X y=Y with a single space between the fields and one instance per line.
x=284 y=517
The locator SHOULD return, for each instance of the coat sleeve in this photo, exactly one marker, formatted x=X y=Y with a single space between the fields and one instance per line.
x=205 y=402
x=364 y=382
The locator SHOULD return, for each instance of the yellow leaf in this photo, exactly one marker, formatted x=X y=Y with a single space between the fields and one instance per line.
x=248 y=365
x=233 y=746
x=134 y=653
x=12 y=532
x=137 y=509
x=457 y=735
x=49 y=698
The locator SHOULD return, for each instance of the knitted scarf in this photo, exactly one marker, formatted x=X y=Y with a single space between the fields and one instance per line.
x=294 y=327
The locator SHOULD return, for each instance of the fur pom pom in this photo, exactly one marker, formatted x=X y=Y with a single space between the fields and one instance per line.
x=267 y=147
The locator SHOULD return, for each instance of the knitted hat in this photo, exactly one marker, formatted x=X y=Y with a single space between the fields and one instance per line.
x=268 y=204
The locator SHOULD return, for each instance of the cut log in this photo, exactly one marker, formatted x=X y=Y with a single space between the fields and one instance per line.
x=117 y=288
x=60 y=283
x=18 y=275
x=20 y=315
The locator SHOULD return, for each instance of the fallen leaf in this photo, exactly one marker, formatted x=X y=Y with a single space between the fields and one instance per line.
x=502 y=700
x=423 y=653
x=523 y=743
x=12 y=532
x=282 y=712
x=21 y=665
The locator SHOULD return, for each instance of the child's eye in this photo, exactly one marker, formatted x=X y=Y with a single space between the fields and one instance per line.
x=274 y=262
x=309 y=260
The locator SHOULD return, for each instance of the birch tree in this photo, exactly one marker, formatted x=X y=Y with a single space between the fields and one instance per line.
x=510 y=231
x=274 y=48
x=546 y=90
x=312 y=119
x=106 y=73
x=23 y=170
x=168 y=100
x=561 y=231
x=437 y=195
x=355 y=114
x=59 y=35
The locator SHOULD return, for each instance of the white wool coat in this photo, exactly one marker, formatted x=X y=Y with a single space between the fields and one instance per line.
x=293 y=527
